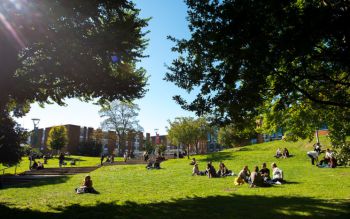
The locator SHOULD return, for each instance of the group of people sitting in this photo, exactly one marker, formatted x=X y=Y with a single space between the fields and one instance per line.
x=328 y=160
x=210 y=170
x=37 y=165
x=282 y=154
x=109 y=158
x=154 y=163
x=260 y=178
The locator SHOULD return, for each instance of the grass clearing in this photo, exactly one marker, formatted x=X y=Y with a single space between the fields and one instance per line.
x=134 y=192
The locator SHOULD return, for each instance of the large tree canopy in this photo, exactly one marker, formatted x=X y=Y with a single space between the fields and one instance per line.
x=50 y=50
x=244 y=52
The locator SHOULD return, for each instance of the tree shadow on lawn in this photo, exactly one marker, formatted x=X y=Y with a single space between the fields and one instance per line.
x=234 y=206
x=220 y=156
x=37 y=182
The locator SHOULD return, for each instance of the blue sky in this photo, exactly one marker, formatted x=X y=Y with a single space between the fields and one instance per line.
x=168 y=18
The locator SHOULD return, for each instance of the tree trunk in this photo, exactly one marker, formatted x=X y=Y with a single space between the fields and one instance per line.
x=188 y=151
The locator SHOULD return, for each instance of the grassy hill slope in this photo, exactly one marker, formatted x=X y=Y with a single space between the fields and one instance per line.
x=134 y=192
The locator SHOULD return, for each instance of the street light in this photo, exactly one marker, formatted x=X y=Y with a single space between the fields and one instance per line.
x=35 y=137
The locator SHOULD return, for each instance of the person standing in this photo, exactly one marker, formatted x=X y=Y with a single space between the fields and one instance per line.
x=314 y=156
x=61 y=159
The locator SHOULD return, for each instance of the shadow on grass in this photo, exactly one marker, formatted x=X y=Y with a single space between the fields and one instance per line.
x=234 y=206
x=13 y=183
x=220 y=156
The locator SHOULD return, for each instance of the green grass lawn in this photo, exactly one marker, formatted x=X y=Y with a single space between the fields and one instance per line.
x=134 y=192
x=81 y=161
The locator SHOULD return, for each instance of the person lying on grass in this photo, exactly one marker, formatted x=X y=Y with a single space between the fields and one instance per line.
x=86 y=186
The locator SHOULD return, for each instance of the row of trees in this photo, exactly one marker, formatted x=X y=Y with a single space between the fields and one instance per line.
x=286 y=62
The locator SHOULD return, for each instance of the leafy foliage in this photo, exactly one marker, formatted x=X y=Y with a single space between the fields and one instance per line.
x=57 y=138
x=52 y=50
x=188 y=131
x=289 y=49
x=11 y=136
x=120 y=117
x=232 y=136
x=248 y=57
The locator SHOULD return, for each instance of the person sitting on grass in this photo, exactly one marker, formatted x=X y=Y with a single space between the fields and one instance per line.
x=156 y=164
x=223 y=171
x=265 y=172
x=278 y=153
x=277 y=174
x=244 y=174
x=256 y=179
x=285 y=153
x=150 y=164
x=86 y=186
x=196 y=172
x=34 y=165
x=193 y=162
x=40 y=166
x=328 y=160
x=211 y=172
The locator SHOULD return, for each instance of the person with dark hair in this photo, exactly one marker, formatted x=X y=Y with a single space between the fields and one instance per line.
x=223 y=171
x=277 y=174
x=61 y=160
x=265 y=172
x=244 y=174
x=150 y=164
x=285 y=153
x=156 y=164
x=314 y=156
x=278 y=153
x=86 y=186
x=193 y=162
x=211 y=172
x=256 y=179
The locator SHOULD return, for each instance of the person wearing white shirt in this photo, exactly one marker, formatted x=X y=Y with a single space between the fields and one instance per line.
x=277 y=174
x=314 y=156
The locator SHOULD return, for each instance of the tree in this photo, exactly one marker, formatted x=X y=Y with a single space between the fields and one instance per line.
x=122 y=118
x=244 y=55
x=232 y=136
x=56 y=49
x=57 y=138
x=242 y=52
x=187 y=131
x=301 y=120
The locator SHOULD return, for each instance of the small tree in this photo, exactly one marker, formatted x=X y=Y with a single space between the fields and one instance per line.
x=122 y=118
x=188 y=131
x=57 y=138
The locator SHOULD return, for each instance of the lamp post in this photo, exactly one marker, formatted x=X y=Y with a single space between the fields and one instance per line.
x=35 y=137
